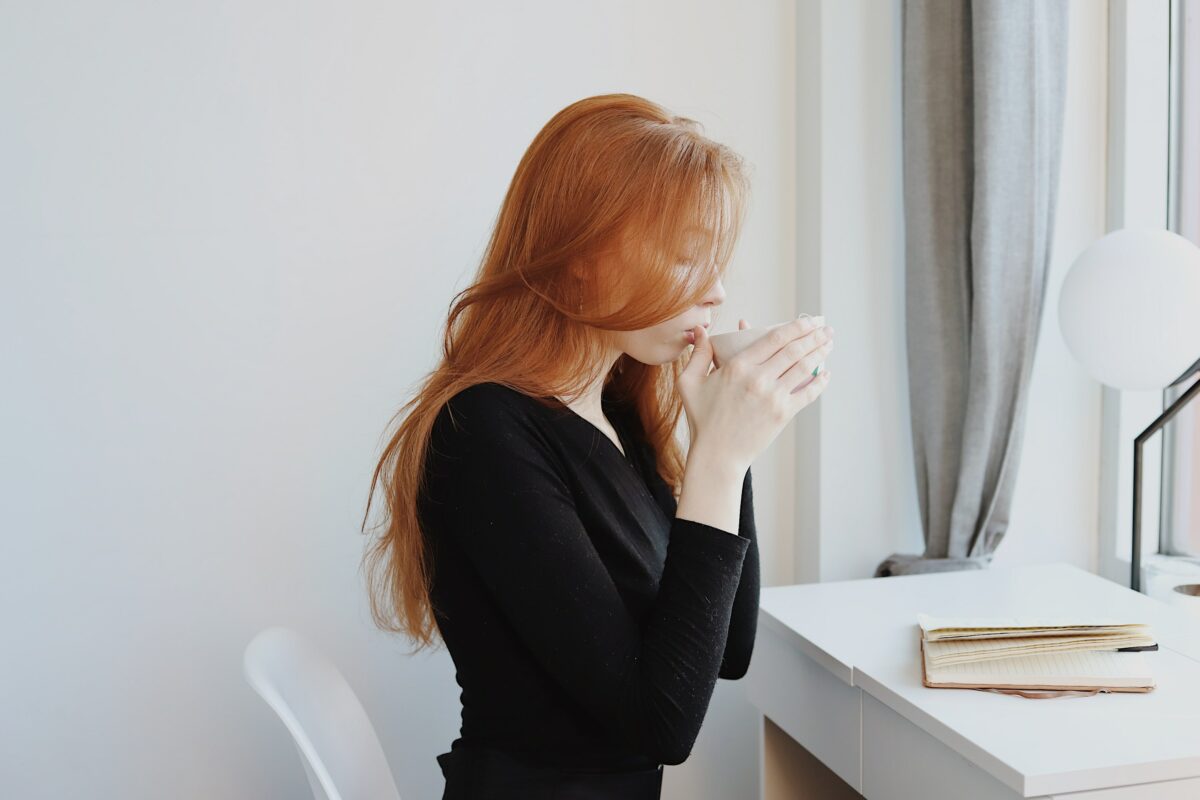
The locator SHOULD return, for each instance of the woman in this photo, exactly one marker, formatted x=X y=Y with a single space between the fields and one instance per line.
x=590 y=579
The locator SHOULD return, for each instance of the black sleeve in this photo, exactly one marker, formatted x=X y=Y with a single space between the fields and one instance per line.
x=508 y=508
x=743 y=622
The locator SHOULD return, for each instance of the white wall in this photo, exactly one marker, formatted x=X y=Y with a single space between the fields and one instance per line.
x=856 y=494
x=230 y=234
x=1055 y=513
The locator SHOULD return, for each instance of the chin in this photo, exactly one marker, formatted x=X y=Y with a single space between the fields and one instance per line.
x=656 y=359
x=671 y=354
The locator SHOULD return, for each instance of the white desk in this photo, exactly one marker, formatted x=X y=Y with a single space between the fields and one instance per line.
x=836 y=669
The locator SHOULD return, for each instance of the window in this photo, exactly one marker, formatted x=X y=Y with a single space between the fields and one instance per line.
x=1180 y=531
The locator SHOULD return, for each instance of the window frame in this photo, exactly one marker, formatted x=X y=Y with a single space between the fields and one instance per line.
x=1138 y=189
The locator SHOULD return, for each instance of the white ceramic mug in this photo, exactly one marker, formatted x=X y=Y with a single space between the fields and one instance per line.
x=1187 y=597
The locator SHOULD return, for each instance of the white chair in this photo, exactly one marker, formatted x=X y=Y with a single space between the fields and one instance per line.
x=337 y=743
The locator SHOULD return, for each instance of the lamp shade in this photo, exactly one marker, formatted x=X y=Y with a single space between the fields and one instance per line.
x=1129 y=309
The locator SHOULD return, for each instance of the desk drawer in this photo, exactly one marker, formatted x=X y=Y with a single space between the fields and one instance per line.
x=903 y=762
x=813 y=706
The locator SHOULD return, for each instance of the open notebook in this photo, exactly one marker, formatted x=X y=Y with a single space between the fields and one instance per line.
x=1035 y=653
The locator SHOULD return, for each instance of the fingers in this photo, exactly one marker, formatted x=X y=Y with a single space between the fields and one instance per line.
x=803 y=350
x=799 y=373
x=767 y=345
x=701 y=356
x=809 y=392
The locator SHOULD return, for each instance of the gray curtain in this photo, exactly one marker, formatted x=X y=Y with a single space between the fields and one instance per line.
x=983 y=105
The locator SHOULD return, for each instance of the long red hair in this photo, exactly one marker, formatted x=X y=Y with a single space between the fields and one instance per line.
x=620 y=216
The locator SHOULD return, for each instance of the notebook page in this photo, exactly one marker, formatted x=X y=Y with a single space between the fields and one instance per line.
x=1088 y=668
x=958 y=651
x=929 y=622
x=950 y=634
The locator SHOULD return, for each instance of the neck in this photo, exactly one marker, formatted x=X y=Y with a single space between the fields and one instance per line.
x=587 y=402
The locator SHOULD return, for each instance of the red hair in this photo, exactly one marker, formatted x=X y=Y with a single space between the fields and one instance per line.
x=612 y=198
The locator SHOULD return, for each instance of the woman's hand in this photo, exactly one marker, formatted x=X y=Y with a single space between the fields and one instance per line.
x=736 y=411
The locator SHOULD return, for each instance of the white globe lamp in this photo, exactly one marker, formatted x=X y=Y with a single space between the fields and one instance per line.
x=1129 y=311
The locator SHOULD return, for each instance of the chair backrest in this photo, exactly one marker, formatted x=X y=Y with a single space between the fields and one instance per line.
x=337 y=743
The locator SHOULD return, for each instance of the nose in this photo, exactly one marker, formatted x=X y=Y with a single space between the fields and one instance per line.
x=715 y=296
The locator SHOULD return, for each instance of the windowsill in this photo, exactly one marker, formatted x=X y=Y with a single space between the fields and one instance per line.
x=1162 y=573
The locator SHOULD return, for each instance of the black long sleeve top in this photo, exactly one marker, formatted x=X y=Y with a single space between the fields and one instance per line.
x=587 y=623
